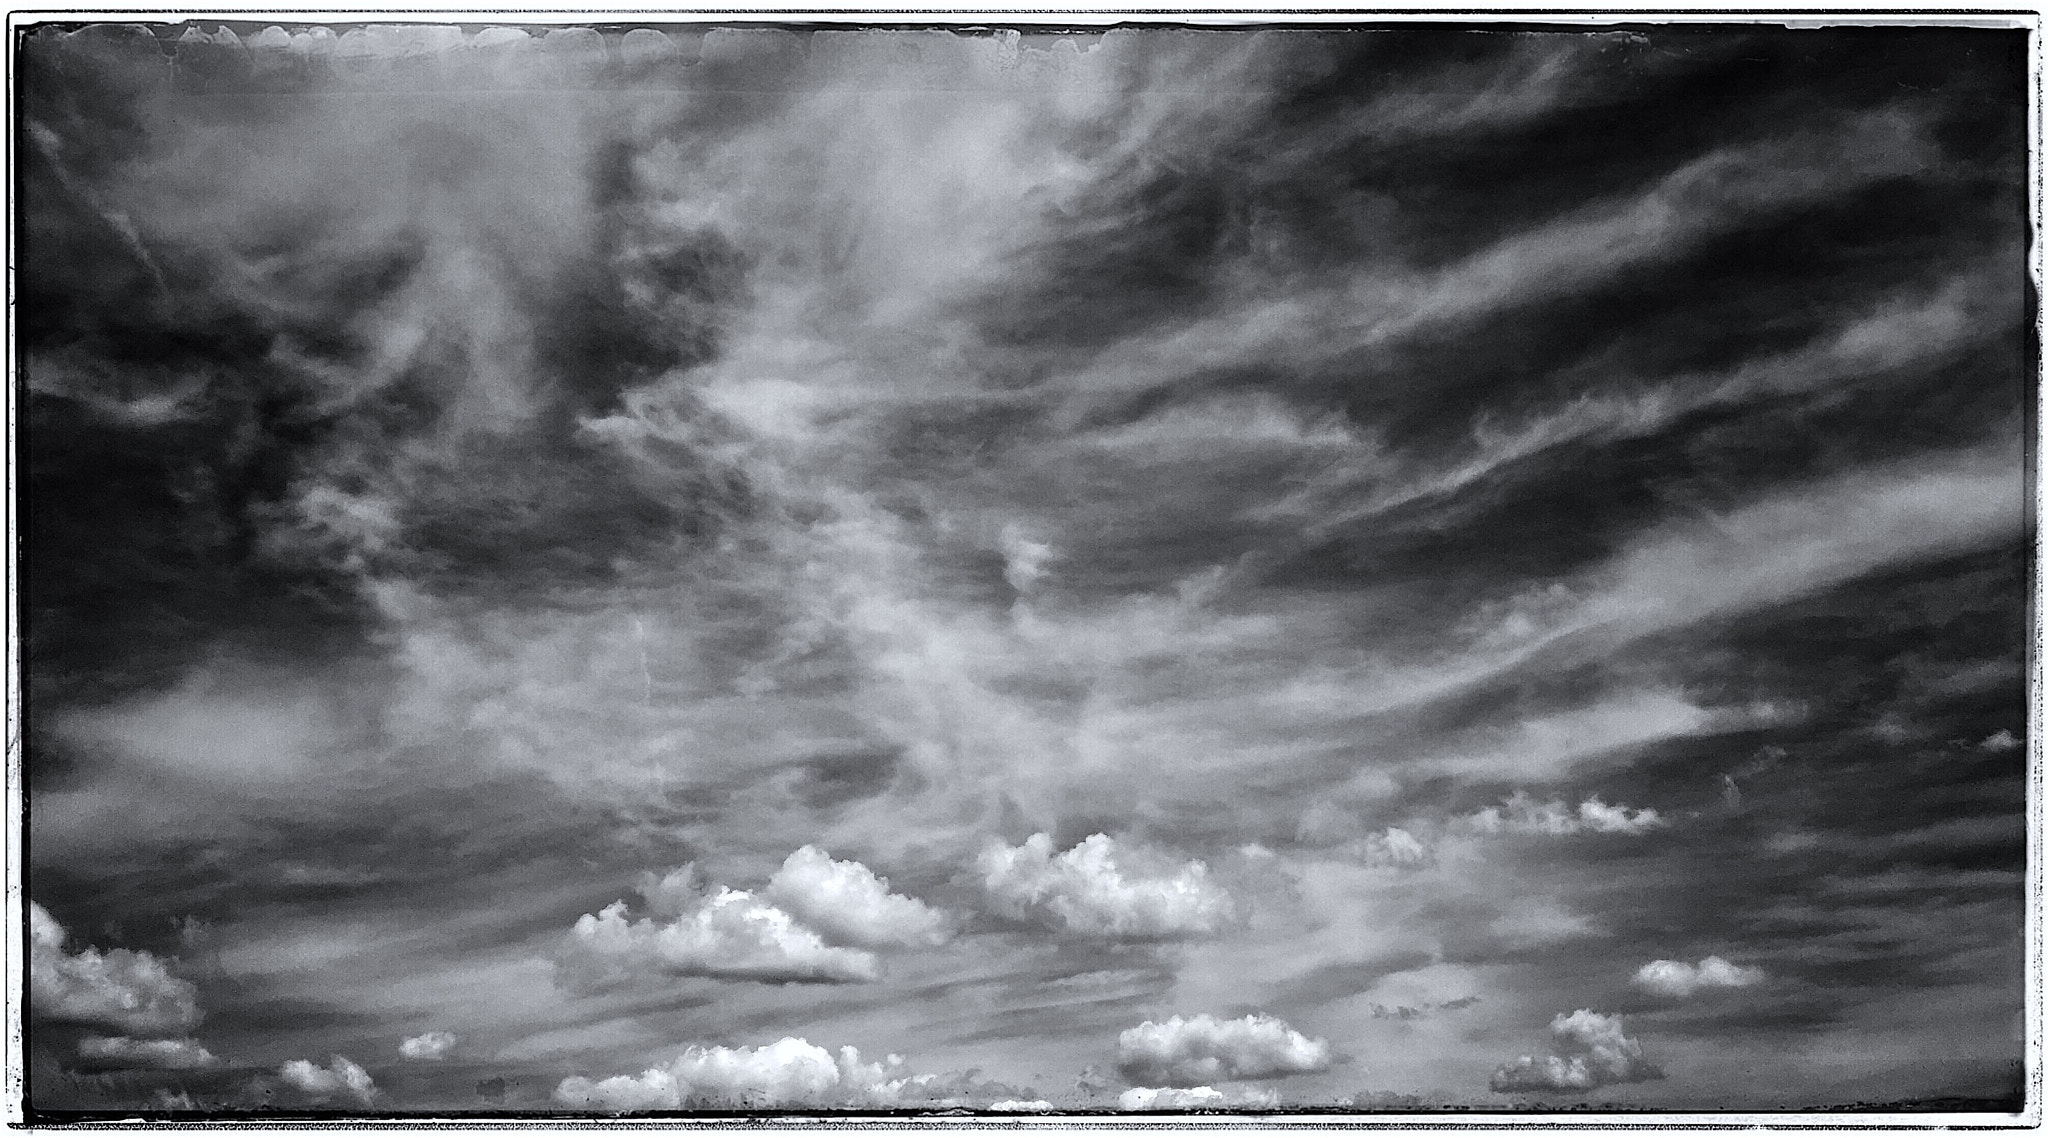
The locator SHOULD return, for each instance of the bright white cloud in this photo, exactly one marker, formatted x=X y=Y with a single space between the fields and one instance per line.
x=132 y=991
x=1192 y=1098
x=169 y=1054
x=1677 y=979
x=1588 y=1050
x=1020 y=1106
x=652 y=1089
x=847 y=902
x=1203 y=1049
x=340 y=1077
x=729 y=933
x=788 y=1072
x=1524 y=815
x=432 y=1045
x=1084 y=890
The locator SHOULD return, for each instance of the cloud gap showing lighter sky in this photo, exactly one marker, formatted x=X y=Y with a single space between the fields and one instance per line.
x=693 y=569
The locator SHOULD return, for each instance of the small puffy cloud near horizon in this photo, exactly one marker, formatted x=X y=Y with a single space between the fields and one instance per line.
x=1195 y=1098
x=342 y=1077
x=790 y=1072
x=1589 y=1050
x=1202 y=1049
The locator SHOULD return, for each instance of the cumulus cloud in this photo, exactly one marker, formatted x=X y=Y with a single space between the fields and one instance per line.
x=1020 y=1106
x=340 y=1077
x=1192 y=1098
x=788 y=1072
x=1084 y=890
x=132 y=991
x=847 y=902
x=1677 y=979
x=1524 y=815
x=432 y=1045
x=1203 y=1049
x=1588 y=1050
x=168 y=1054
x=729 y=933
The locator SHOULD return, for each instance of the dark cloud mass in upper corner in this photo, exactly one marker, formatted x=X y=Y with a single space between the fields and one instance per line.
x=1363 y=540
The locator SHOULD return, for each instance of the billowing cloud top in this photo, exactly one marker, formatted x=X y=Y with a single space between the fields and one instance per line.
x=131 y=991
x=340 y=1078
x=1085 y=891
x=1590 y=1050
x=845 y=900
x=726 y=933
x=1203 y=1049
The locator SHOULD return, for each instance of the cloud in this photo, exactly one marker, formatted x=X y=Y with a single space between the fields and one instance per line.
x=1589 y=1050
x=1020 y=1106
x=132 y=991
x=432 y=1045
x=1192 y=1098
x=1024 y=560
x=2002 y=740
x=1677 y=979
x=1085 y=891
x=1203 y=1049
x=1393 y=847
x=726 y=933
x=788 y=1072
x=168 y=1054
x=1524 y=815
x=339 y=1077
x=847 y=902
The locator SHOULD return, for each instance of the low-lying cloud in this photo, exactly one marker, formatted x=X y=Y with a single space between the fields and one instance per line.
x=1202 y=1049
x=787 y=1073
x=1589 y=1050
x=1194 y=1098
x=340 y=1078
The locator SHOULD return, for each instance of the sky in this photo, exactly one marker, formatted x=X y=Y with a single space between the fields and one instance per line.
x=691 y=569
